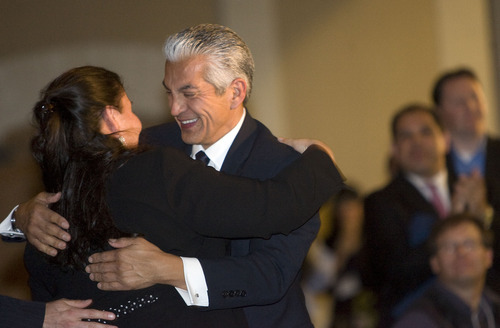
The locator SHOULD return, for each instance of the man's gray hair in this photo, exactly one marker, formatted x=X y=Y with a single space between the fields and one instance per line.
x=228 y=57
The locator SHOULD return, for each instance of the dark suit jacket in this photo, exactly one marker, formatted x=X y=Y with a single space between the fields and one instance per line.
x=16 y=313
x=173 y=200
x=438 y=307
x=261 y=275
x=492 y=178
x=398 y=220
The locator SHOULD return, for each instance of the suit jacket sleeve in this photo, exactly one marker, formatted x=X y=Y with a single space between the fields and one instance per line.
x=260 y=271
x=16 y=313
x=263 y=276
x=253 y=208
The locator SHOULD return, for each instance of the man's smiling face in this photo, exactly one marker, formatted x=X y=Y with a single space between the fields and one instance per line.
x=203 y=116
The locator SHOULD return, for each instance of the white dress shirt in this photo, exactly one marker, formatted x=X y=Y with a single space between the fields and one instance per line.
x=440 y=180
x=6 y=227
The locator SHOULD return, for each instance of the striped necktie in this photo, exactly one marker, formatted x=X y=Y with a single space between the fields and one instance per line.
x=201 y=156
x=436 y=201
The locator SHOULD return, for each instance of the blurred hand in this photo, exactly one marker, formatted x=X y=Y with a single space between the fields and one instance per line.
x=469 y=194
x=43 y=227
x=300 y=145
x=65 y=313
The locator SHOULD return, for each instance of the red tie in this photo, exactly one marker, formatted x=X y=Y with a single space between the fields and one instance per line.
x=436 y=201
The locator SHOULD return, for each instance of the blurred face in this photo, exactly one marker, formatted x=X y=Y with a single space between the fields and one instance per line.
x=463 y=107
x=203 y=116
x=461 y=257
x=129 y=125
x=419 y=145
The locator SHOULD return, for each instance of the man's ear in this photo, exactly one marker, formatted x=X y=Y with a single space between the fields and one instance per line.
x=109 y=123
x=238 y=92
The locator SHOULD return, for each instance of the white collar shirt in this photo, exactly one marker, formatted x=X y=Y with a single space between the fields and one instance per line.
x=440 y=180
x=218 y=151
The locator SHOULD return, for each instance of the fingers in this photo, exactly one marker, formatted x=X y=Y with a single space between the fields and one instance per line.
x=108 y=277
x=108 y=256
x=97 y=314
x=114 y=285
x=78 y=303
x=47 y=238
x=122 y=242
x=50 y=197
x=44 y=228
x=73 y=313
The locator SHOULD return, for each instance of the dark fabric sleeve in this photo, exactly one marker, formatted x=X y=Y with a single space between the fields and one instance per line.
x=263 y=276
x=219 y=205
x=16 y=313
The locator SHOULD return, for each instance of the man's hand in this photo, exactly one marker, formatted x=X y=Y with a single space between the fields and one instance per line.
x=300 y=145
x=43 y=227
x=135 y=264
x=469 y=194
x=69 y=314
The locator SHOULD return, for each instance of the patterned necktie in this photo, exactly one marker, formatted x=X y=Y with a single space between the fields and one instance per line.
x=201 y=156
x=436 y=201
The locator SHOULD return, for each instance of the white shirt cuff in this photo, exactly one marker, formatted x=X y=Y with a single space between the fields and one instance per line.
x=6 y=227
x=197 y=293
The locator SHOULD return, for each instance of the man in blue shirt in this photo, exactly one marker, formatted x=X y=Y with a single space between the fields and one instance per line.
x=474 y=158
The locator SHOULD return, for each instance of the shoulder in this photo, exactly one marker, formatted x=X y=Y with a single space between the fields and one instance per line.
x=389 y=192
x=256 y=152
x=156 y=155
x=167 y=134
x=493 y=146
x=267 y=144
x=416 y=319
x=424 y=312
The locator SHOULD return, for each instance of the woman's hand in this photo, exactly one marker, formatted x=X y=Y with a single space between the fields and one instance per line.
x=301 y=145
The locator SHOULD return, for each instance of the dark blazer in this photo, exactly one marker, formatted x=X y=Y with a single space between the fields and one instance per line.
x=172 y=200
x=439 y=307
x=262 y=275
x=398 y=220
x=16 y=313
x=492 y=178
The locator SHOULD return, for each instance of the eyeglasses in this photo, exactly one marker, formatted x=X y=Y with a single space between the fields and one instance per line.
x=468 y=245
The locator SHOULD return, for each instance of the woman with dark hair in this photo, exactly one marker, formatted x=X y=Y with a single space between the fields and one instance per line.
x=86 y=147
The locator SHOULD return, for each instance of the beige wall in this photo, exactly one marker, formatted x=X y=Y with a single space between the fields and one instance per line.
x=334 y=70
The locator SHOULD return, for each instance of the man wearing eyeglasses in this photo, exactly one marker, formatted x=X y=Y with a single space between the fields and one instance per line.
x=400 y=216
x=462 y=253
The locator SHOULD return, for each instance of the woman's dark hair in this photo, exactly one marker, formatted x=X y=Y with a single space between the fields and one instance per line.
x=344 y=196
x=76 y=159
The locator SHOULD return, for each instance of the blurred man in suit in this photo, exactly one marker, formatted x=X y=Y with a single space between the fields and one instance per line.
x=473 y=160
x=461 y=249
x=399 y=217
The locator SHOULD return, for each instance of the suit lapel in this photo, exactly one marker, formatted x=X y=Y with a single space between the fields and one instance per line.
x=411 y=197
x=241 y=147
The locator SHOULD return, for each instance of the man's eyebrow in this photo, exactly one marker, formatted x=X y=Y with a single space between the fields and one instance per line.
x=184 y=88
x=187 y=87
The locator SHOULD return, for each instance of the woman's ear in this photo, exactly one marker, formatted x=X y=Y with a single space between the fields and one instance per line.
x=109 y=123
x=238 y=90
